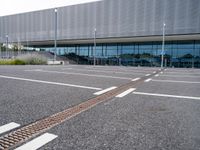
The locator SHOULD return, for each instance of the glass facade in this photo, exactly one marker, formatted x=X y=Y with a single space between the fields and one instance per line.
x=177 y=53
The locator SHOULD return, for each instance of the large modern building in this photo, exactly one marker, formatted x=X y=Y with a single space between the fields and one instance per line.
x=128 y=32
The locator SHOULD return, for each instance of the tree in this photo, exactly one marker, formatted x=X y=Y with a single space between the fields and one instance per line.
x=15 y=47
x=2 y=47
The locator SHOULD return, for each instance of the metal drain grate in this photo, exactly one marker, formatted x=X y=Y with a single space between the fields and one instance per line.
x=23 y=134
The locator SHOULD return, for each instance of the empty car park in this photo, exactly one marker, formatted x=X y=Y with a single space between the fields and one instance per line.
x=100 y=74
x=99 y=107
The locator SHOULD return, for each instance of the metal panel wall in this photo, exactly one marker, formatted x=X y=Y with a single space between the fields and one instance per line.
x=112 y=18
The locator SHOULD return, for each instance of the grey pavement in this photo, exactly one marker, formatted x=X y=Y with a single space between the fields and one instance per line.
x=132 y=122
x=25 y=102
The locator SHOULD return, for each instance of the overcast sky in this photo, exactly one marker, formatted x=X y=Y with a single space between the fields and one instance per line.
x=8 y=7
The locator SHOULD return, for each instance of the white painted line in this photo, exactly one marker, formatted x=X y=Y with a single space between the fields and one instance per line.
x=166 y=95
x=154 y=72
x=64 y=69
x=117 y=70
x=38 y=69
x=147 y=75
x=184 y=76
x=126 y=92
x=185 y=73
x=173 y=81
x=156 y=75
x=107 y=71
x=106 y=90
x=161 y=72
x=8 y=127
x=38 y=142
x=135 y=79
x=83 y=74
x=147 y=80
x=48 y=82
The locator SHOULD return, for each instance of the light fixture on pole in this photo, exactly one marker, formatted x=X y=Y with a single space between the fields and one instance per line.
x=1 y=42
x=163 y=46
x=94 y=50
x=18 y=47
x=6 y=46
x=55 y=38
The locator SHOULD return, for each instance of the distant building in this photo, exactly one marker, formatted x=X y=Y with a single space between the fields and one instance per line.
x=129 y=32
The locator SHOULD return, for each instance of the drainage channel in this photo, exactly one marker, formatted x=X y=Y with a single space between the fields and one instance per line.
x=27 y=132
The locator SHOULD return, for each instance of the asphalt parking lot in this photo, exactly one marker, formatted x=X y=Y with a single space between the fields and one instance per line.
x=162 y=112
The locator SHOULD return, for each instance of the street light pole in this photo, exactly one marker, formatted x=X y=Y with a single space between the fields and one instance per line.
x=163 y=46
x=6 y=46
x=55 y=40
x=1 y=46
x=94 y=51
x=18 y=47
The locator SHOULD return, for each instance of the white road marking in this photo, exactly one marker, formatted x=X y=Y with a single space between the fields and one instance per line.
x=66 y=68
x=38 y=142
x=166 y=95
x=147 y=75
x=106 y=71
x=38 y=69
x=106 y=90
x=156 y=75
x=8 y=127
x=154 y=72
x=174 y=81
x=135 y=79
x=126 y=92
x=48 y=82
x=181 y=76
x=185 y=73
x=129 y=70
x=83 y=74
x=161 y=72
x=147 y=80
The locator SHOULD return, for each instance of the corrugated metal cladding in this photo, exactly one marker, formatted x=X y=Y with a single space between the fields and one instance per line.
x=112 y=18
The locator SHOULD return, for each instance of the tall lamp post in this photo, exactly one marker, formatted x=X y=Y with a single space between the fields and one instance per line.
x=94 y=51
x=18 y=47
x=55 y=38
x=163 y=46
x=1 y=47
x=6 y=46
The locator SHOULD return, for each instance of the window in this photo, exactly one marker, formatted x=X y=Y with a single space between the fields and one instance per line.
x=127 y=49
x=83 y=51
x=98 y=52
x=111 y=50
